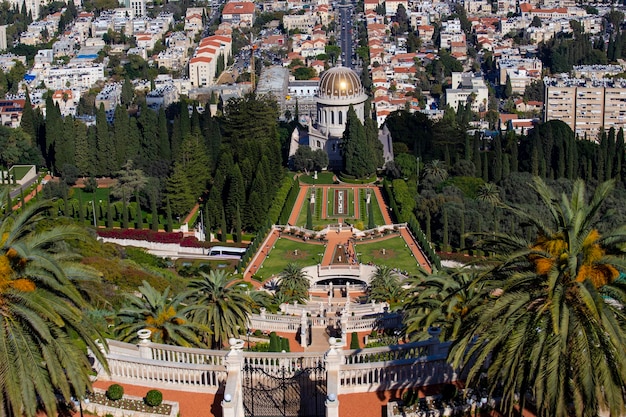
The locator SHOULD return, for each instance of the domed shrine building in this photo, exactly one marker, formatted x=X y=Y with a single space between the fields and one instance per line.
x=339 y=88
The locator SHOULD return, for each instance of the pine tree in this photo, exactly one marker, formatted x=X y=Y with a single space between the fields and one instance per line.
x=121 y=132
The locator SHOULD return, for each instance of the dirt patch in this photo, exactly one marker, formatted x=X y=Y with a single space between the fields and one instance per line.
x=102 y=182
x=291 y=255
x=378 y=254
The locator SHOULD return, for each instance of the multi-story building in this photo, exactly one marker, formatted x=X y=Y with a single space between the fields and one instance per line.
x=304 y=23
x=467 y=88
x=76 y=76
x=586 y=106
x=239 y=13
x=203 y=65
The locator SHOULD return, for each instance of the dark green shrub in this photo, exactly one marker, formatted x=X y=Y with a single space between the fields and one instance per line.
x=274 y=342
x=284 y=344
x=258 y=333
x=153 y=398
x=115 y=392
x=354 y=341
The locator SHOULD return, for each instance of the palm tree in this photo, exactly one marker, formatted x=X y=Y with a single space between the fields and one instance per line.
x=385 y=285
x=489 y=193
x=165 y=316
x=219 y=302
x=293 y=284
x=436 y=170
x=442 y=300
x=552 y=326
x=41 y=314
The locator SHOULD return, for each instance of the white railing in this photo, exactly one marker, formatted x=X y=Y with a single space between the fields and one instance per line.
x=165 y=375
x=403 y=374
x=360 y=370
x=275 y=322
x=191 y=356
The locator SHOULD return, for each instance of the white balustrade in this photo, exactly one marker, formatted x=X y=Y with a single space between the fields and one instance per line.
x=361 y=370
x=166 y=375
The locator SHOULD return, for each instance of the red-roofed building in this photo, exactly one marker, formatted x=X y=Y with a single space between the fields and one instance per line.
x=11 y=112
x=239 y=13
x=203 y=64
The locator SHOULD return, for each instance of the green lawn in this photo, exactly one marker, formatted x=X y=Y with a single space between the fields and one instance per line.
x=284 y=253
x=397 y=254
x=100 y=194
x=19 y=171
x=322 y=178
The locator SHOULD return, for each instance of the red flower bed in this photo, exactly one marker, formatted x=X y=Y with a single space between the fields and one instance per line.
x=142 y=234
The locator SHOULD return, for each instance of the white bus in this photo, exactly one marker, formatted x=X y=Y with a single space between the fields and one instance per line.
x=227 y=252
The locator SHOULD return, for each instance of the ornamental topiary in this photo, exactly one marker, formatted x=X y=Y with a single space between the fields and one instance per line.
x=153 y=398
x=115 y=392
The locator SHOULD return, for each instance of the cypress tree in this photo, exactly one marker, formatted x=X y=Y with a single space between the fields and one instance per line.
x=476 y=154
x=497 y=159
x=66 y=202
x=155 y=214
x=309 y=216
x=462 y=231
x=124 y=213
x=28 y=119
x=110 y=209
x=81 y=212
x=169 y=226
x=165 y=151
x=446 y=239
x=237 y=226
x=223 y=227
x=485 y=164
x=619 y=154
x=236 y=194
x=139 y=214
x=207 y=225
x=370 y=217
x=107 y=155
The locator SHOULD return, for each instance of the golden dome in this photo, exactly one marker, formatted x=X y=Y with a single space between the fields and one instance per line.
x=341 y=83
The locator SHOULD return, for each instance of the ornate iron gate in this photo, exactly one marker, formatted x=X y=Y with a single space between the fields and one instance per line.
x=284 y=392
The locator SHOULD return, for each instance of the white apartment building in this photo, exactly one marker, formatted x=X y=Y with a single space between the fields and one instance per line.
x=110 y=96
x=451 y=32
x=467 y=87
x=73 y=76
x=204 y=62
x=530 y=68
x=585 y=105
